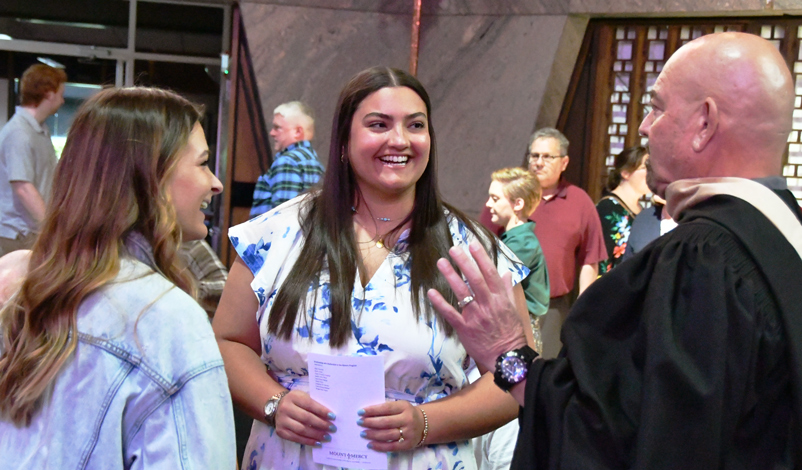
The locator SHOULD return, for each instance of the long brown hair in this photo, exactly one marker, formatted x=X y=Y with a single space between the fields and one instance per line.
x=329 y=233
x=109 y=183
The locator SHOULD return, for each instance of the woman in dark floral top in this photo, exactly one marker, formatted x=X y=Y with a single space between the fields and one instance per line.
x=626 y=184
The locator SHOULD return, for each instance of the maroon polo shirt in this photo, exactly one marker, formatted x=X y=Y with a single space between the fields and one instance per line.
x=569 y=231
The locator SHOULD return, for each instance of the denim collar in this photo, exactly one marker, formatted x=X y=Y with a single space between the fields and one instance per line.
x=138 y=247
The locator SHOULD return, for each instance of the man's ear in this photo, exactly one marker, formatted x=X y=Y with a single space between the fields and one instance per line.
x=706 y=123
x=298 y=133
x=564 y=163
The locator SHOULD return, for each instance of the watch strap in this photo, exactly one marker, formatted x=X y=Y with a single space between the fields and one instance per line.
x=270 y=418
x=525 y=355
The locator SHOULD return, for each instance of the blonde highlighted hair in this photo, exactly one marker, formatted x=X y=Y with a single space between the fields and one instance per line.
x=110 y=182
x=519 y=183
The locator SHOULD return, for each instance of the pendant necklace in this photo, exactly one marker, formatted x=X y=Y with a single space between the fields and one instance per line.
x=378 y=240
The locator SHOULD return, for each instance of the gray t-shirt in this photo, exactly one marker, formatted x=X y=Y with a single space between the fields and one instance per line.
x=26 y=154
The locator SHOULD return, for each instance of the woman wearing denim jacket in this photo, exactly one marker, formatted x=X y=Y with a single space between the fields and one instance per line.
x=106 y=361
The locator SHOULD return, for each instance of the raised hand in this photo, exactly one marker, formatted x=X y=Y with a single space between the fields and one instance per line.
x=489 y=324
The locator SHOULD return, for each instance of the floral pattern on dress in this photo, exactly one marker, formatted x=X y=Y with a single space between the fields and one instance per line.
x=616 y=220
x=421 y=362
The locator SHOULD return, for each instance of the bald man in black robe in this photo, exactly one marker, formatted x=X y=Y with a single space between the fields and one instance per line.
x=688 y=356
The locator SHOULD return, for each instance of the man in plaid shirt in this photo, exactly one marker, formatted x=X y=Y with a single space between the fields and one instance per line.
x=295 y=167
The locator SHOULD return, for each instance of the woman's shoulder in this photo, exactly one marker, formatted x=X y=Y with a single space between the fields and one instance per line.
x=138 y=291
x=143 y=317
x=608 y=202
x=464 y=230
x=285 y=215
x=280 y=226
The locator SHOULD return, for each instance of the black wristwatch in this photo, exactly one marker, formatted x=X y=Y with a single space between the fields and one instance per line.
x=511 y=367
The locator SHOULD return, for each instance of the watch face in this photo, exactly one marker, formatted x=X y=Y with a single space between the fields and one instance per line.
x=270 y=408
x=513 y=369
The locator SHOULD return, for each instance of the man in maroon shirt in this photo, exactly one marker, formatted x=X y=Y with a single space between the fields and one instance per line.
x=567 y=227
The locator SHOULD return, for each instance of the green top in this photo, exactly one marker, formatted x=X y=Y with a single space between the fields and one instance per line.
x=523 y=242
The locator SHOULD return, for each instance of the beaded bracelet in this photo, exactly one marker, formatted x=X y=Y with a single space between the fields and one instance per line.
x=425 y=428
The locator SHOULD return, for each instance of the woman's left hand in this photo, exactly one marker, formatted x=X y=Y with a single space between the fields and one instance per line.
x=385 y=424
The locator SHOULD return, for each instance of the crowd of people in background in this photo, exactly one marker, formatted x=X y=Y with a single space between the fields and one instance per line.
x=107 y=359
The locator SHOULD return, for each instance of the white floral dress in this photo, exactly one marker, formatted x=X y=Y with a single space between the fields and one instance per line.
x=421 y=363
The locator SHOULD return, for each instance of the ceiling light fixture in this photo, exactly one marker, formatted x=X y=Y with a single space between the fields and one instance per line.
x=61 y=23
x=50 y=62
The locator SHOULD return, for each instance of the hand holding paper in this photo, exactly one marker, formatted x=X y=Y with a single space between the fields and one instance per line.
x=303 y=420
x=387 y=422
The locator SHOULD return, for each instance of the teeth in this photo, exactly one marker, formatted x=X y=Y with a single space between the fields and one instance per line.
x=395 y=159
x=204 y=205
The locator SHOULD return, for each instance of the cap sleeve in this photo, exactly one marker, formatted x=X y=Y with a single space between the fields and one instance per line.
x=256 y=239
x=506 y=261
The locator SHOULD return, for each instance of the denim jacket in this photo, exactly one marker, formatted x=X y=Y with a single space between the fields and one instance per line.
x=145 y=387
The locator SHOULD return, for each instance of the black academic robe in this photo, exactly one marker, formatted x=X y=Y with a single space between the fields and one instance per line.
x=687 y=356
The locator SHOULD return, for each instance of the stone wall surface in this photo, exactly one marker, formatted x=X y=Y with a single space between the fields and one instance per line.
x=436 y=7
x=309 y=54
x=548 y=7
x=486 y=76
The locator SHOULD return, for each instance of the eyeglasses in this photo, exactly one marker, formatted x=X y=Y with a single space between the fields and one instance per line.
x=533 y=157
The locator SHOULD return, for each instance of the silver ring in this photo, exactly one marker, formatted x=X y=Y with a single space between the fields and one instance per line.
x=462 y=303
x=401 y=432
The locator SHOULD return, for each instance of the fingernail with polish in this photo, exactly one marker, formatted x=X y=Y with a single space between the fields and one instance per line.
x=332 y=428
x=364 y=434
x=318 y=444
x=326 y=438
x=331 y=416
x=360 y=422
x=370 y=445
x=361 y=412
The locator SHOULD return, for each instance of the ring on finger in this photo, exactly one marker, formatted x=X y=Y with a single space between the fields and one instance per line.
x=400 y=435
x=462 y=303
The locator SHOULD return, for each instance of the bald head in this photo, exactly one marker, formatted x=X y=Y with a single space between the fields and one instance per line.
x=723 y=106
x=749 y=79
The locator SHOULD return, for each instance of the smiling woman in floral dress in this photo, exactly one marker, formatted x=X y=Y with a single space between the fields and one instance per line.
x=344 y=271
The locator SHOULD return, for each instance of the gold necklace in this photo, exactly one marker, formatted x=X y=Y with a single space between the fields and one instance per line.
x=379 y=239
